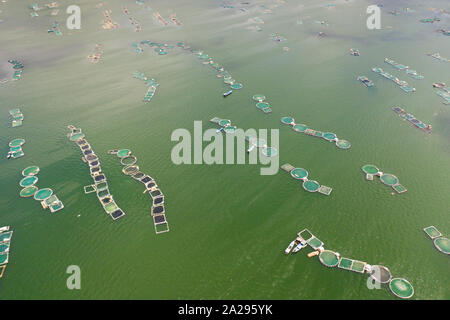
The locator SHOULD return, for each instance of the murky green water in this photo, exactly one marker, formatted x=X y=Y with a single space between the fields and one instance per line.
x=229 y=225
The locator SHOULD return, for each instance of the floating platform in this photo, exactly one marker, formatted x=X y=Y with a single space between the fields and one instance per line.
x=411 y=119
x=328 y=136
x=308 y=185
x=386 y=178
x=401 y=288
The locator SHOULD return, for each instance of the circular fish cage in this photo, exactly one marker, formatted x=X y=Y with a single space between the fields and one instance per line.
x=259 y=97
x=401 y=288
x=236 y=86
x=299 y=127
x=130 y=170
x=383 y=276
x=122 y=153
x=43 y=194
x=329 y=258
x=370 y=169
x=269 y=152
x=224 y=122
x=343 y=144
x=286 y=120
x=330 y=136
x=16 y=142
x=128 y=160
x=30 y=171
x=262 y=105
x=28 y=191
x=311 y=185
x=389 y=179
x=442 y=244
x=76 y=136
x=28 y=181
x=299 y=173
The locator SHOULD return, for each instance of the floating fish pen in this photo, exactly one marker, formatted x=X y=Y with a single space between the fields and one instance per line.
x=15 y=148
x=328 y=136
x=365 y=81
x=160 y=19
x=130 y=168
x=18 y=70
x=108 y=23
x=386 y=178
x=277 y=38
x=411 y=119
x=400 y=83
x=97 y=54
x=381 y=274
x=16 y=117
x=260 y=143
x=429 y=20
x=352 y=265
x=441 y=243
x=302 y=175
x=260 y=104
x=437 y=56
x=100 y=185
x=149 y=82
x=5 y=243
x=444 y=95
x=225 y=125
x=354 y=52
x=55 y=29
x=329 y=258
x=205 y=59
x=401 y=288
x=399 y=66
x=175 y=20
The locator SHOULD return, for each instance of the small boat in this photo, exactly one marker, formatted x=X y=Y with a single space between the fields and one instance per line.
x=365 y=81
x=354 y=52
x=220 y=129
x=439 y=85
x=299 y=247
x=226 y=94
x=290 y=247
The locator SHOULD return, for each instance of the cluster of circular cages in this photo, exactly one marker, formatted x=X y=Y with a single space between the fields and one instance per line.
x=100 y=185
x=308 y=185
x=380 y=274
x=15 y=148
x=5 y=243
x=387 y=178
x=329 y=136
x=440 y=242
x=45 y=196
x=131 y=169
x=260 y=104
x=254 y=142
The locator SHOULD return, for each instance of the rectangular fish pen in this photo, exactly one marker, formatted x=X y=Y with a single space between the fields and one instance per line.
x=352 y=265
